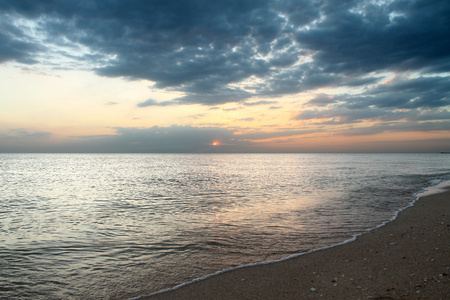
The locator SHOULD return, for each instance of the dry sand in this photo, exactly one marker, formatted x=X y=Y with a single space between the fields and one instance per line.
x=408 y=258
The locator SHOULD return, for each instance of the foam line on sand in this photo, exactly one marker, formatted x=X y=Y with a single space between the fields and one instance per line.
x=408 y=258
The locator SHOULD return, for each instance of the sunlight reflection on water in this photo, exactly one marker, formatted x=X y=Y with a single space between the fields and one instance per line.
x=106 y=225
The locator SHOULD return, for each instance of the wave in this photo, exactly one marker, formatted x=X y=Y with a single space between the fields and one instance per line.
x=436 y=186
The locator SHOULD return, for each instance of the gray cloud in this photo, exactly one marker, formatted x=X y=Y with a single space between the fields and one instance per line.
x=396 y=127
x=411 y=99
x=412 y=93
x=23 y=132
x=214 y=96
x=321 y=100
x=16 y=45
x=343 y=115
x=177 y=139
x=205 y=48
x=40 y=134
x=173 y=139
x=190 y=139
x=362 y=37
x=151 y=102
x=277 y=134
x=262 y=102
x=24 y=140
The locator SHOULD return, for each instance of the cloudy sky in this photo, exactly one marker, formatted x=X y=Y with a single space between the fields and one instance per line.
x=224 y=76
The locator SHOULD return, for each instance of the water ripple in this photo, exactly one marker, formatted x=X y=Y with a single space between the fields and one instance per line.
x=78 y=226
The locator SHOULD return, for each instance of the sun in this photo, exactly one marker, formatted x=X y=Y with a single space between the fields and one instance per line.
x=215 y=143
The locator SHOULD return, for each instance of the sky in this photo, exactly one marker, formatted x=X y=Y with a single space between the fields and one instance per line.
x=224 y=76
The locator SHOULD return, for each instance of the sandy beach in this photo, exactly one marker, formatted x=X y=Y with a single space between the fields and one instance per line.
x=409 y=258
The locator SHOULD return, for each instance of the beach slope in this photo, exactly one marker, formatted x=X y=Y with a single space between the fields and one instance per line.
x=409 y=258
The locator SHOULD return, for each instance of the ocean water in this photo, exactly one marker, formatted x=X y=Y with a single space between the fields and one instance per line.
x=116 y=226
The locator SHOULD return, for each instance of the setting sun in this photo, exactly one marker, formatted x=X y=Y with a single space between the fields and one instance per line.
x=294 y=91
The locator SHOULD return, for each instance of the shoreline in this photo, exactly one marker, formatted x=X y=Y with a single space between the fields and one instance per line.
x=400 y=259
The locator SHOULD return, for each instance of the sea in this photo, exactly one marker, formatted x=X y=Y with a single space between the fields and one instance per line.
x=118 y=226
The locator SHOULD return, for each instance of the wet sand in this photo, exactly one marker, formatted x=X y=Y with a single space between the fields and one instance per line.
x=408 y=258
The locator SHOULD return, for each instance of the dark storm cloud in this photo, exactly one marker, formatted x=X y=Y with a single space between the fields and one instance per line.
x=411 y=93
x=16 y=45
x=361 y=37
x=211 y=50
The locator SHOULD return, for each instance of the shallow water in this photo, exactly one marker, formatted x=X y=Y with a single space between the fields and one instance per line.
x=121 y=225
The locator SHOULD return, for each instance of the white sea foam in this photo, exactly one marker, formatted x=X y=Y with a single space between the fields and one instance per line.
x=168 y=218
x=436 y=186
